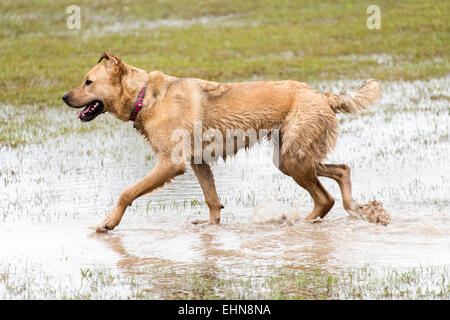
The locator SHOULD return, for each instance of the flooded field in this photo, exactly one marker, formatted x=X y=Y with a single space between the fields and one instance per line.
x=52 y=192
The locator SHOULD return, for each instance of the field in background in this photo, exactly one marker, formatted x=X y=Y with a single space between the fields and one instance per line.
x=219 y=40
x=59 y=176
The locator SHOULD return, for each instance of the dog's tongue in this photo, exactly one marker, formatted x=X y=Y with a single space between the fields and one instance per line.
x=86 y=110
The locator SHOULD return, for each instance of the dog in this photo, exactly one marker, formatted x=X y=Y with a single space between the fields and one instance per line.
x=160 y=105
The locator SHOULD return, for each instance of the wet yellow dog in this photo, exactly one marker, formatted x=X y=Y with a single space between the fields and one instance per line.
x=160 y=105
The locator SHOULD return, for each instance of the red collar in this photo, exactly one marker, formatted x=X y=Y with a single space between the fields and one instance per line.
x=138 y=104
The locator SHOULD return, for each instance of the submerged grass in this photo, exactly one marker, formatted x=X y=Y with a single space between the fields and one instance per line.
x=37 y=124
x=280 y=283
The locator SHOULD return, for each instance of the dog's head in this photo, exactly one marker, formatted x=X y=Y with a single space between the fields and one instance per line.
x=101 y=90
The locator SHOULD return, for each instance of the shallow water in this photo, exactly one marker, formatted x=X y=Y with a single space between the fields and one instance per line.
x=53 y=192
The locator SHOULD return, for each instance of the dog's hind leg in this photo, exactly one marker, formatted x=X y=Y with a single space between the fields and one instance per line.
x=341 y=174
x=306 y=177
x=206 y=179
x=277 y=160
x=372 y=211
x=304 y=174
x=164 y=171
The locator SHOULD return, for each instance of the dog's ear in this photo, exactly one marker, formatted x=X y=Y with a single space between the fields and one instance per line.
x=118 y=68
x=109 y=56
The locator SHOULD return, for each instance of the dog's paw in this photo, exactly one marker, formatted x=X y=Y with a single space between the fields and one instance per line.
x=102 y=228
x=373 y=212
x=197 y=222
x=315 y=220
x=106 y=225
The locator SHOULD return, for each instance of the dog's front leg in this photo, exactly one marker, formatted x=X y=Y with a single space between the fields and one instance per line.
x=206 y=179
x=164 y=171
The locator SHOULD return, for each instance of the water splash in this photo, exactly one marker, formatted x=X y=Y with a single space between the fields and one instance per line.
x=372 y=211
x=270 y=210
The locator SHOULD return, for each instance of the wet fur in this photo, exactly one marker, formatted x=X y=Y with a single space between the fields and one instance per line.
x=306 y=120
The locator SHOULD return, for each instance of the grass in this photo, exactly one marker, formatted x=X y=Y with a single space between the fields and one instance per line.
x=178 y=283
x=303 y=40
x=36 y=124
x=414 y=283
x=278 y=284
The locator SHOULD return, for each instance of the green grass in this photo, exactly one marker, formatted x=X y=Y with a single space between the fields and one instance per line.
x=303 y=40
x=180 y=283
x=37 y=124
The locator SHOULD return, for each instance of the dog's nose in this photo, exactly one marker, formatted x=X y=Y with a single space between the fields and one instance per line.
x=65 y=97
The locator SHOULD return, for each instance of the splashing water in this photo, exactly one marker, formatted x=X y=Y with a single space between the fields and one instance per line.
x=51 y=193
x=372 y=211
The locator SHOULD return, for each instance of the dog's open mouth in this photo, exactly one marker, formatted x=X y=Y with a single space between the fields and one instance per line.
x=91 y=111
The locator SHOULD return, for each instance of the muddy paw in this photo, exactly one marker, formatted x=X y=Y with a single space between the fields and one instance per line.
x=102 y=228
x=105 y=225
x=196 y=222
x=315 y=220
x=372 y=211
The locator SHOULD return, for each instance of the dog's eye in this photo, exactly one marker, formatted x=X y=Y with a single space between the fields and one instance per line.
x=88 y=82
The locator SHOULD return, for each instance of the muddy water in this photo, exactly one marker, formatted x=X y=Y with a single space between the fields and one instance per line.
x=53 y=192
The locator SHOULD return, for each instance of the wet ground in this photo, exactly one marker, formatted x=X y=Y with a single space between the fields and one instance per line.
x=51 y=193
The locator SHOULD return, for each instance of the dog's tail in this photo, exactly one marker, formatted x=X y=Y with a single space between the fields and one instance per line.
x=356 y=101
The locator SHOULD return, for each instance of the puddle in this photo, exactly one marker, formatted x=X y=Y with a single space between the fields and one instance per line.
x=51 y=193
x=111 y=25
x=98 y=25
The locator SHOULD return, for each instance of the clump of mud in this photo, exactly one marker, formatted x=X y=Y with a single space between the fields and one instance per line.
x=372 y=211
